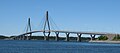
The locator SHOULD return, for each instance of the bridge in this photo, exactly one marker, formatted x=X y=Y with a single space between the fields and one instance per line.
x=47 y=32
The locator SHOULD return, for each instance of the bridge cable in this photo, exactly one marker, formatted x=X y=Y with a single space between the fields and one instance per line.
x=54 y=25
x=42 y=23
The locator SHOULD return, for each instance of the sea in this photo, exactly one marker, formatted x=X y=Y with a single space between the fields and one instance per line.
x=38 y=46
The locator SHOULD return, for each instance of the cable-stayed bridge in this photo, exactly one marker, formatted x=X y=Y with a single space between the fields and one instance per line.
x=47 y=32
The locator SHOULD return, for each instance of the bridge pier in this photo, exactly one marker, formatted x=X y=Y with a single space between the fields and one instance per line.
x=27 y=37
x=57 y=36
x=24 y=37
x=20 y=37
x=79 y=37
x=30 y=36
x=46 y=37
x=92 y=37
x=67 y=36
x=16 y=38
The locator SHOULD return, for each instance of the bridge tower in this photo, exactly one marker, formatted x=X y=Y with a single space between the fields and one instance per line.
x=46 y=27
x=29 y=29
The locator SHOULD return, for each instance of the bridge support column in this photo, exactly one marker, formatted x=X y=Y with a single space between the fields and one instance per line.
x=30 y=36
x=27 y=37
x=57 y=37
x=67 y=36
x=20 y=38
x=24 y=37
x=92 y=37
x=46 y=37
x=16 y=38
x=79 y=37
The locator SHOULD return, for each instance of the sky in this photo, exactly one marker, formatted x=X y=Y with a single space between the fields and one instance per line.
x=69 y=15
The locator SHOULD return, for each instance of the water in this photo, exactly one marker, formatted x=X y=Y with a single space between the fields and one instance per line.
x=12 y=46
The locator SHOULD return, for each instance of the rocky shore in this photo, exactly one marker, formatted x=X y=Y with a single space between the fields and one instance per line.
x=105 y=41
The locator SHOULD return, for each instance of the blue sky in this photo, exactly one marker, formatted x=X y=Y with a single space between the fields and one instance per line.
x=71 y=15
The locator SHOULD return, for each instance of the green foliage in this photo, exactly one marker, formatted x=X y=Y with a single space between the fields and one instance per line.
x=102 y=38
x=117 y=37
x=3 y=37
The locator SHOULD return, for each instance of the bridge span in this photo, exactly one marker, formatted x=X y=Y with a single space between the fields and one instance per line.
x=47 y=32
x=79 y=34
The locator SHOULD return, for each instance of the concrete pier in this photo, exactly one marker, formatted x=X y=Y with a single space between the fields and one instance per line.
x=57 y=36
x=92 y=37
x=67 y=36
x=79 y=37
x=45 y=38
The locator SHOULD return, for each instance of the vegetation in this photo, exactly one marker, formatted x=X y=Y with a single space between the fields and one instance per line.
x=102 y=38
x=117 y=37
x=3 y=37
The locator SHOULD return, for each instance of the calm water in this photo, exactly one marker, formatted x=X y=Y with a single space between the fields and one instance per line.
x=12 y=46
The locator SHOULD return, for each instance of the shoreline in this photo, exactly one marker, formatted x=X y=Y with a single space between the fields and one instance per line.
x=96 y=41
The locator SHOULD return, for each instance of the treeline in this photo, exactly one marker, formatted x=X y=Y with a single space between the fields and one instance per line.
x=102 y=38
x=116 y=37
x=3 y=37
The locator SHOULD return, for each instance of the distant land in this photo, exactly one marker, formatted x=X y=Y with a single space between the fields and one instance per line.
x=3 y=37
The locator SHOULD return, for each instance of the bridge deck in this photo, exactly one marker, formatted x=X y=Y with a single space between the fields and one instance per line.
x=72 y=32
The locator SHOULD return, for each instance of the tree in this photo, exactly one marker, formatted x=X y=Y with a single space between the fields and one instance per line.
x=102 y=38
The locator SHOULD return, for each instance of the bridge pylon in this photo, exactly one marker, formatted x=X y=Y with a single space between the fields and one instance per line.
x=46 y=28
x=29 y=29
